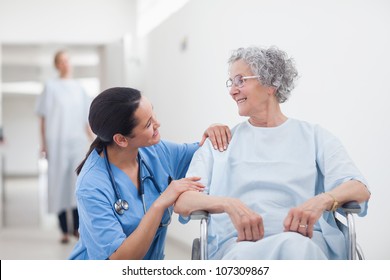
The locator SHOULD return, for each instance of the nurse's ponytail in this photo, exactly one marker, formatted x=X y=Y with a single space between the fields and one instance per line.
x=97 y=144
x=112 y=112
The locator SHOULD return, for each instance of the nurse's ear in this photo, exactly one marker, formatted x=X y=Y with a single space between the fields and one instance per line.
x=120 y=140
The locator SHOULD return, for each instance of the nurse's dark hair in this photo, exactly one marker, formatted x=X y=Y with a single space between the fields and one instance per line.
x=112 y=112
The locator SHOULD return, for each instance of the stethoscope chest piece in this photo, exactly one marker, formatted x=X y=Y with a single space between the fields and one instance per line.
x=121 y=206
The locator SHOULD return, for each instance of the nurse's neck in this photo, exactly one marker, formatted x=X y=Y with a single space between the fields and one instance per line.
x=122 y=158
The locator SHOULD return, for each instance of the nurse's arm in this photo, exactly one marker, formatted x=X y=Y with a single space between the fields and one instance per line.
x=249 y=225
x=137 y=244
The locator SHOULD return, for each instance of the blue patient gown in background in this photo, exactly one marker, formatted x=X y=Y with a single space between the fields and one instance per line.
x=272 y=170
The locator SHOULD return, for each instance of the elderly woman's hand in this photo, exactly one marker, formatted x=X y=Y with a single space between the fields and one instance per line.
x=249 y=224
x=301 y=219
x=219 y=135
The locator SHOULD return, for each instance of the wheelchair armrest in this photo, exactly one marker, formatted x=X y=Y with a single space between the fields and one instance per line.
x=198 y=215
x=351 y=207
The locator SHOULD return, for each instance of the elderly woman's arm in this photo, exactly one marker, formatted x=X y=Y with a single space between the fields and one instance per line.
x=249 y=224
x=303 y=217
x=351 y=190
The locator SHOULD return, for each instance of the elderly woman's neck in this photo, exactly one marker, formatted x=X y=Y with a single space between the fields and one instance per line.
x=268 y=118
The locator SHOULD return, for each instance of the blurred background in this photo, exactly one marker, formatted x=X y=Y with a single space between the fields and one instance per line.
x=175 y=52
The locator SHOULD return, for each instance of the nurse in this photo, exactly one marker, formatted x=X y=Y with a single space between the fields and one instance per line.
x=130 y=179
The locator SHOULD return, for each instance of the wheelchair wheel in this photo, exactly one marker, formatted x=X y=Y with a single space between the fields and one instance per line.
x=196 y=249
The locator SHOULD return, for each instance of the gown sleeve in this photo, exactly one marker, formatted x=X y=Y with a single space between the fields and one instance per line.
x=41 y=104
x=334 y=164
x=201 y=166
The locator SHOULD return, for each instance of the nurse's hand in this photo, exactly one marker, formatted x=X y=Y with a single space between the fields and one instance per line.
x=249 y=224
x=177 y=187
x=219 y=136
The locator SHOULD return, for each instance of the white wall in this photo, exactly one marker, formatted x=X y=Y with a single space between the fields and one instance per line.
x=71 y=21
x=21 y=146
x=341 y=51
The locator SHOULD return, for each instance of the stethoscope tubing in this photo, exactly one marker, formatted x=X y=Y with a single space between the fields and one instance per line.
x=111 y=175
x=122 y=205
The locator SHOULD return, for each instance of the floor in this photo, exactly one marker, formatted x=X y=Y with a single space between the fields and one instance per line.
x=30 y=233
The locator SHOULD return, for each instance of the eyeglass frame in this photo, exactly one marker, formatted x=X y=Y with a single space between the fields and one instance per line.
x=230 y=82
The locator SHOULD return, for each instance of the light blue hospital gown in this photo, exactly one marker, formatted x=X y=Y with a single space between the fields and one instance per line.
x=65 y=105
x=102 y=230
x=272 y=170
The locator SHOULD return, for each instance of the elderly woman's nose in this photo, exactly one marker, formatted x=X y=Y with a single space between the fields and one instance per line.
x=233 y=90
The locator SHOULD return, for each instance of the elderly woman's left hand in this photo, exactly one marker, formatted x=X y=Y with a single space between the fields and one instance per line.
x=301 y=219
x=219 y=136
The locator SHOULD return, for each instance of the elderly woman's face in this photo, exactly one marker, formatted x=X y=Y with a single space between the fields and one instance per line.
x=250 y=95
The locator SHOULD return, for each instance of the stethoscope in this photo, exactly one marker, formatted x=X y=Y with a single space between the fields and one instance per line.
x=122 y=205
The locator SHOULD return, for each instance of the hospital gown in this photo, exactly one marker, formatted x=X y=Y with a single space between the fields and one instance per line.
x=102 y=230
x=272 y=170
x=65 y=105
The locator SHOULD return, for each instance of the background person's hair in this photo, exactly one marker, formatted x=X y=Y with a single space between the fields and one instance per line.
x=273 y=66
x=112 y=112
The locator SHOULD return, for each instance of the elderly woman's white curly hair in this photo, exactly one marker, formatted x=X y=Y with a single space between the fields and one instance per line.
x=273 y=67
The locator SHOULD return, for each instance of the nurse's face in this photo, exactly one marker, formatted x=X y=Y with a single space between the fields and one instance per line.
x=146 y=132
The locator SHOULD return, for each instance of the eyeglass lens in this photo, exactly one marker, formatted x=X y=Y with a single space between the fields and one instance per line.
x=238 y=81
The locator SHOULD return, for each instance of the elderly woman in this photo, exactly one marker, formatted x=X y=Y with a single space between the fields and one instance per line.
x=276 y=185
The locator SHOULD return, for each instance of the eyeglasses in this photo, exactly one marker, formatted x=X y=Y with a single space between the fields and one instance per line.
x=238 y=81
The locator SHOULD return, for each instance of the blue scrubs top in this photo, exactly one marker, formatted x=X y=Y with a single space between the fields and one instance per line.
x=102 y=230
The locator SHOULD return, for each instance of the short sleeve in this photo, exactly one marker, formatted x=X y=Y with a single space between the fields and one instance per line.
x=201 y=166
x=335 y=164
x=177 y=156
x=102 y=233
x=42 y=100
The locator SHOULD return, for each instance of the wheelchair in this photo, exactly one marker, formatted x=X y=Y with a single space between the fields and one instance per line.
x=355 y=252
